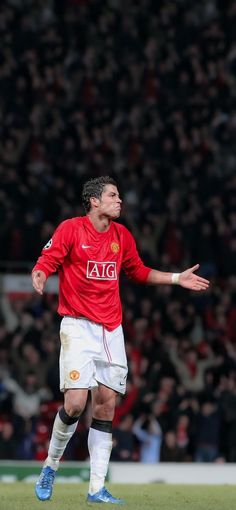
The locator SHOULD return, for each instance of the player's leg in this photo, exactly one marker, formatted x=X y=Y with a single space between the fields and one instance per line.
x=65 y=424
x=111 y=373
x=100 y=435
x=76 y=376
x=100 y=443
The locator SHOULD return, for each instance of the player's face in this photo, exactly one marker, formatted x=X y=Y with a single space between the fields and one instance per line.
x=109 y=204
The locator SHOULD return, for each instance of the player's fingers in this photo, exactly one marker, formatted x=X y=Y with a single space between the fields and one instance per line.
x=194 y=268
x=203 y=284
x=200 y=286
x=38 y=288
x=202 y=280
x=40 y=291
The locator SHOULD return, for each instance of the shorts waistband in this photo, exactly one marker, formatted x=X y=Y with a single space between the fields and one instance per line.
x=74 y=317
x=83 y=318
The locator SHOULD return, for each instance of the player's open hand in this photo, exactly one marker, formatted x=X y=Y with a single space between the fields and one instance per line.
x=38 y=281
x=189 y=280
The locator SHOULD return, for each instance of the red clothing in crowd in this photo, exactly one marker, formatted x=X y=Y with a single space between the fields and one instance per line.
x=89 y=263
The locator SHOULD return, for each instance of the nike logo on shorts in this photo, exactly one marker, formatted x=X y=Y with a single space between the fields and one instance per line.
x=85 y=246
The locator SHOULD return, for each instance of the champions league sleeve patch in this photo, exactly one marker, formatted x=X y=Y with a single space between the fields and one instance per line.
x=48 y=245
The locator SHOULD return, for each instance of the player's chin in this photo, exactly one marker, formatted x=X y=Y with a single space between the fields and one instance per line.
x=116 y=214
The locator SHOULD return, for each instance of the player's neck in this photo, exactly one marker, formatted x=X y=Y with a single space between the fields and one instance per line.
x=100 y=223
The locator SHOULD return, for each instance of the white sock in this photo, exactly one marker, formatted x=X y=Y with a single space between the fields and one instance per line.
x=99 y=446
x=61 y=434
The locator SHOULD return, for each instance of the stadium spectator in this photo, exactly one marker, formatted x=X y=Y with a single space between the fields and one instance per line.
x=207 y=433
x=170 y=451
x=123 y=440
x=148 y=431
x=8 y=443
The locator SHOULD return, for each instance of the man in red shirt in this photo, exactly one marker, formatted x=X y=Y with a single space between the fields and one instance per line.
x=89 y=252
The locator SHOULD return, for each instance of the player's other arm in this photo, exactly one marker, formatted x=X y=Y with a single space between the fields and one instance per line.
x=187 y=279
x=38 y=280
x=52 y=255
x=135 y=269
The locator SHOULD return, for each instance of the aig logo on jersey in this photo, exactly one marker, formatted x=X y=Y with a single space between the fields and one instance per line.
x=101 y=270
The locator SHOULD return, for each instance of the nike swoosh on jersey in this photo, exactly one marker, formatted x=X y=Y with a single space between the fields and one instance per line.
x=85 y=246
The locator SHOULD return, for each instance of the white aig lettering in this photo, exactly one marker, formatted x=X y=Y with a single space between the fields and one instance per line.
x=101 y=270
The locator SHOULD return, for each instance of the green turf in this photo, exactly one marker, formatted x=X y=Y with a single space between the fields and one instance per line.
x=20 y=496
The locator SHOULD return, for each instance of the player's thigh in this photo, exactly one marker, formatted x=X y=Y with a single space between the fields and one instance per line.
x=103 y=402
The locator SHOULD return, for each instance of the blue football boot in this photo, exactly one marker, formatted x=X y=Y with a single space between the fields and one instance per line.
x=44 y=485
x=103 y=496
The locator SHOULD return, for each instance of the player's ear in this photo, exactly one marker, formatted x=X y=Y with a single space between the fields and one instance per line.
x=94 y=201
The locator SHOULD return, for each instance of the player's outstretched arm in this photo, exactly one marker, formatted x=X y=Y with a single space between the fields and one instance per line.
x=38 y=280
x=187 y=279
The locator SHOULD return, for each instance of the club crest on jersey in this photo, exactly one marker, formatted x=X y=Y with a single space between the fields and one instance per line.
x=115 y=247
x=48 y=245
x=101 y=270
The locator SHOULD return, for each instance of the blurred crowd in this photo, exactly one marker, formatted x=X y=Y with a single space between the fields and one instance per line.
x=145 y=92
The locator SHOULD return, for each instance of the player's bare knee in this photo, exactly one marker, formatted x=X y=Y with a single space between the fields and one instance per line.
x=69 y=415
x=74 y=409
x=75 y=402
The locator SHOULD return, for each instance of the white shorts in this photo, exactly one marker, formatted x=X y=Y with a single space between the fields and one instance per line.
x=91 y=355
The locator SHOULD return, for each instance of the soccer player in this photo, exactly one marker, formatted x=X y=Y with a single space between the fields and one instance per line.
x=89 y=252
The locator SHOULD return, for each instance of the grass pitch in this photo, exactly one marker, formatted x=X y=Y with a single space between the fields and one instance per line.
x=20 y=496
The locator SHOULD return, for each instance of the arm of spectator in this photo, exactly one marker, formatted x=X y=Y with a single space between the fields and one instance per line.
x=210 y=361
x=155 y=426
x=175 y=359
x=138 y=431
x=11 y=385
x=45 y=394
x=9 y=316
x=231 y=350
x=17 y=341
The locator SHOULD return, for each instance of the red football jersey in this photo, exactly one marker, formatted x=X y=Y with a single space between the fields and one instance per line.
x=89 y=264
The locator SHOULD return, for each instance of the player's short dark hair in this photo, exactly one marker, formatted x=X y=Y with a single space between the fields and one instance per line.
x=94 y=188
